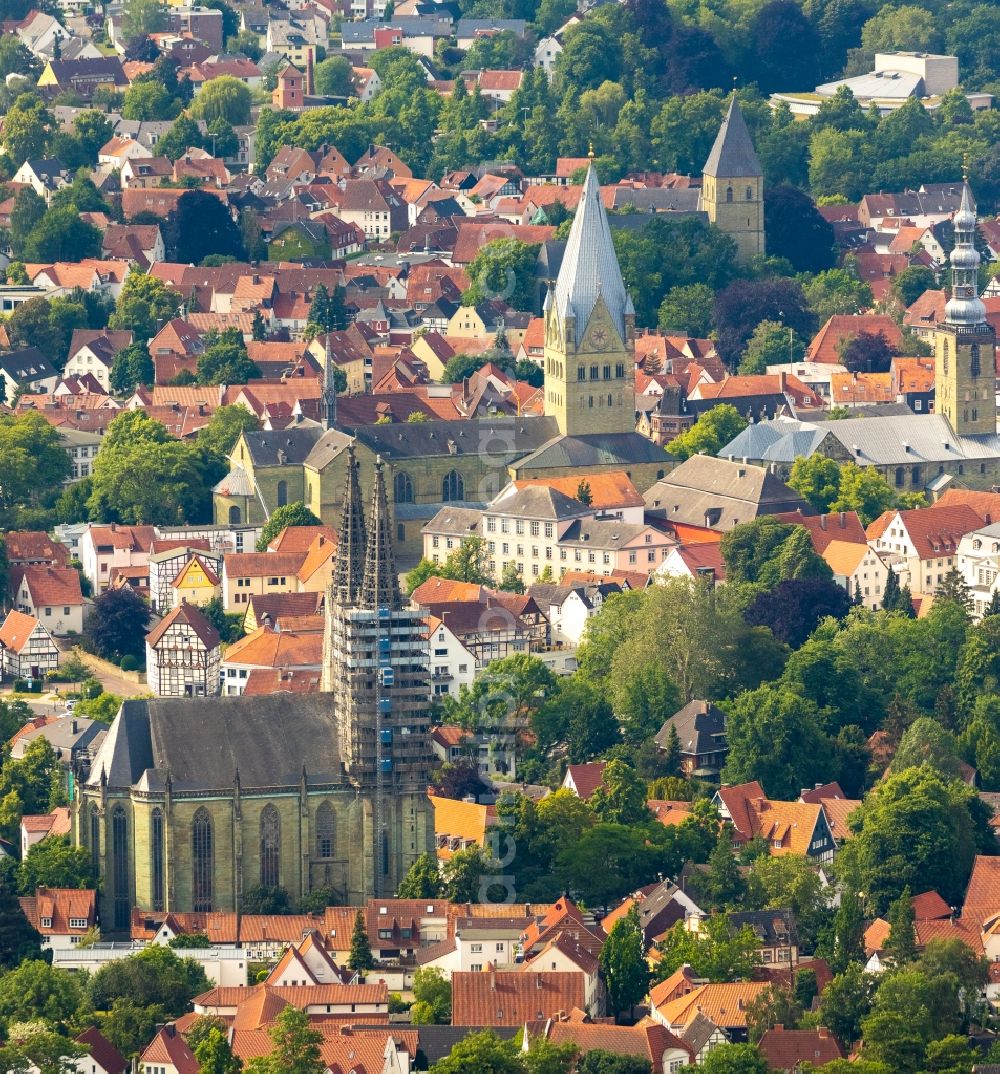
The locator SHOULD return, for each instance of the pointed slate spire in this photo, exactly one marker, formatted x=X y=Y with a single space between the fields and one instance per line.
x=380 y=588
x=733 y=155
x=590 y=266
x=348 y=566
x=329 y=389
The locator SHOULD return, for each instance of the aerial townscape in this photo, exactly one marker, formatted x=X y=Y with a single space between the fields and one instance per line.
x=499 y=537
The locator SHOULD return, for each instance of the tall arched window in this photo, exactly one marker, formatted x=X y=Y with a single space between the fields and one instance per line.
x=452 y=486
x=156 y=857
x=402 y=488
x=270 y=847
x=95 y=840
x=749 y=193
x=234 y=516
x=325 y=835
x=975 y=363
x=203 y=856
x=119 y=867
x=282 y=493
x=729 y=193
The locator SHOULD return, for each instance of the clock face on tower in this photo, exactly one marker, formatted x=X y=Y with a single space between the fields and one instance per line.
x=599 y=336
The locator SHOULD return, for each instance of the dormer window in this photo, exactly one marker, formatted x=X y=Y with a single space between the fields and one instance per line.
x=46 y=922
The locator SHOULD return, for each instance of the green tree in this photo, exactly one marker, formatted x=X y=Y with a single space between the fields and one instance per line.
x=733 y=1059
x=623 y=962
x=718 y=951
x=360 y=957
x=898 y=28
x=511 y=580
x=32 y=459
x=295 y=1047
x=144 y=304
x=203 y=226
x=155 y=976
x=774 y=1006
x=846 y=1000
x=914 y=829
x=953 y=587
x=432 y=997
x=219 y=436
x=865 y=490
x=54 y=863
x=687 y=310
x=770 y=344
x=33 y=1047
x=422 y=880
x=710 y=433
x=37 y=990
x=790 y=882
x=292 y=514
x=61 y=235
x=901 y=945
x=27 y=210
x=911 y=283
x=149 y=101
x=765 y=552
x=481 y=1053
x=132 y=366
x=504 y=269
x=27 y=127
x=48 y=325
x=598 y=1061
x=925 y=741
x=223 y=98
x=224 y=359
x=215 y=1055
x=467 y=563
x=464 y=874
x=117 y=624
x=837 y=291
x=333 y=77
x=621 y=797
x=817 y=480
x=721 y=886
x=143 y=17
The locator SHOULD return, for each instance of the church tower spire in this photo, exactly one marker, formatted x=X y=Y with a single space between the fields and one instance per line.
x=732 y=186
x=348 y=565
x=380 y=587
x=965 y=341
x=590 y=329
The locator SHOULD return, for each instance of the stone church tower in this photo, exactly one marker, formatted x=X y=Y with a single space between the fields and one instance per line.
x=375 y=666
x=732 y=186
x=590 y=330
x=965 y=342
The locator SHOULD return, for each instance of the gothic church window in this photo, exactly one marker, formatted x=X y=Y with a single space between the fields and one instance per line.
x=95 y=839
x=452 y=486
x=402 y=488
x=203 y=855
x=270 y=847
x=119 y=867
x=729 y=193
x=282 y=493
x=749 y=193
x=324 y=831
x=156 y=857
x=974 y=359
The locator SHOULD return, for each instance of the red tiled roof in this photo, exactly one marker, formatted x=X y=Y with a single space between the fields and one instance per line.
x=787 y=1049
x=982 y=896
x=511 y=998
x=59 y=905
x=844 y=326
x=49 y=586
x=587 y=777
x=32 y=546
x=935 y=531
x=102 y=1051
x=16 y=630
x=190 y=616
x=836 y=526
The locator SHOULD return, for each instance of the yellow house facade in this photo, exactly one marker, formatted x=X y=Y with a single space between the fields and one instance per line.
x=195 y=584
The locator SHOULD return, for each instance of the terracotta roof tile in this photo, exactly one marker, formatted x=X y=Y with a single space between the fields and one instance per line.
x=511 y=998
x=16 y=630
x=49 y=586
x=788 y=1049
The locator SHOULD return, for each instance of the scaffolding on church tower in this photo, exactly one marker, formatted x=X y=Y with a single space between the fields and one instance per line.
x=376 y=655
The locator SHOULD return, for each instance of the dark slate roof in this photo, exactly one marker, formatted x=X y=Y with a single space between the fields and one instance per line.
x=771 y=926
x=503 y=440
x=27 y=364
x=550 y=255
x=733 y=154
x=204 y=742
x=699 y=1032
x=699 y=726
x=593 y=449
x=295 y=444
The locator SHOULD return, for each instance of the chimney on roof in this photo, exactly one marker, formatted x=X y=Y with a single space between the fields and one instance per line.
x=822 y=522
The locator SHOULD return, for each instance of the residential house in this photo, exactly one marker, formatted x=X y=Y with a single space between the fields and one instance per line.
x=777 y=943
x=102 y=1056
x=27 y=650
x=287 y=650
x=74 y=739
x=82 y=77
x=103 y=549
x=25 y=370
x=666 y=1053
x=724 y=1005
x=859 y=569
x=33 y=548
x=792 y=1050
x=511 y=998
x=141 y=173
x=196 y=583
x=374 y=206
x=978 y=559
x=94 y=352
x=476 y=942
x=167 y=560
x=182 y=655
x=569 y=608
x=118 y=149
x=62 y=915
x=51 y=595
x=547 y=51
x=701 y=561
x=583 y=779
x=700 y=729
x=459 y=825
x=659 y=907
x=799 y=828
x=35 y=828
x=247 y=574
x=921 y=545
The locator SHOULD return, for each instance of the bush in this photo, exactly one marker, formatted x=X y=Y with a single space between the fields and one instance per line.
x=128 y=663
x=20 y=686
x=91 y=689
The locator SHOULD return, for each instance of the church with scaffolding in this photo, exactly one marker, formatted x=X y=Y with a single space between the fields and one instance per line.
x=191 y=802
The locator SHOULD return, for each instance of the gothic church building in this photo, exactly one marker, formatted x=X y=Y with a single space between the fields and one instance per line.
x=191 y=802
